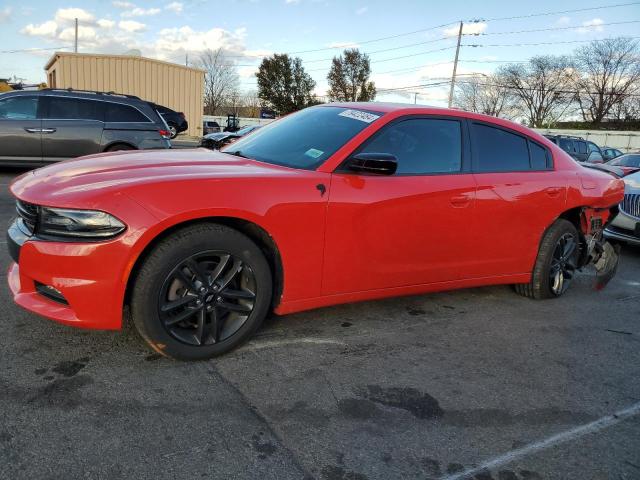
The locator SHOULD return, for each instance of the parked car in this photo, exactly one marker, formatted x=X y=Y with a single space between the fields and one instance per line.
x=580 y=149
x=332 y=204
x=210 y=126
x=628 y=163
x=41 y=126
x=215 y=141
x=610 y=153
x=626 y=224
x=176 y=121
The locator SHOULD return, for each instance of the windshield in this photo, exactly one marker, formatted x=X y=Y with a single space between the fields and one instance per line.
x=626 y=161
x=304 y=139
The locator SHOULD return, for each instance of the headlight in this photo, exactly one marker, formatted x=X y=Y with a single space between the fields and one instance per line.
x=84 y=224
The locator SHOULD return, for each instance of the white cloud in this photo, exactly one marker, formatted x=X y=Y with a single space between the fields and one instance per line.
x=291 y=2
x=342 y=45
x=104 y=23
x=362 y=10
x=190 y=40
x=140 y=12
x=68 y=15
x=120 y=4
x=5 y=14
x=563 y=21
x=131 y=26
x=48 y=29
x=247 y=72
x=594 y=25
x=175 y=7
x=467 y=29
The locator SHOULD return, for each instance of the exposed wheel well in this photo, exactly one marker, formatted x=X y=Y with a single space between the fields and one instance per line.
x=573 y=216
x=111 y=147
x=256 y=233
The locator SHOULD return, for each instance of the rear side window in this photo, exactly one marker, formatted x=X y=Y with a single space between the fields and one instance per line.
x=421 y=145
x=62 y=108
x=593 y=147
x=19 y=108
x=539 y=157
x=496 y=150
x=566 y=145
x=116 y=112
x=582 y=147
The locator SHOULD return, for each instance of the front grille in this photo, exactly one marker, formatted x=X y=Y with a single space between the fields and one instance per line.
x=29 y=214
x=631 y=204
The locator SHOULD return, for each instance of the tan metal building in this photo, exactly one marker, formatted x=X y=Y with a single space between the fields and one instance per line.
x=175 y=86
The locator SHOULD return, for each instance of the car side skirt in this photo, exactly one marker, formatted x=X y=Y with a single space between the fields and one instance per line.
x=324 y=301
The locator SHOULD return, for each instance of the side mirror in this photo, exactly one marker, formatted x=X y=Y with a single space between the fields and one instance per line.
x=376 y=163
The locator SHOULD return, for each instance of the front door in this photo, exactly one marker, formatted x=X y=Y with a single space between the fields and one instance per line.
x=72 y=127
x=20 y=130
x=410 y=228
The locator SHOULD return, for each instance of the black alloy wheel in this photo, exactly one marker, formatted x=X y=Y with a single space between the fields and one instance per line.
x=563 y=264
x=207 y=298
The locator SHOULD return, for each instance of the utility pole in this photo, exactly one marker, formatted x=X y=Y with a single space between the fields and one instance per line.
x=75 y=45
x=186 y=59
x=455 y=66
x=415 y=97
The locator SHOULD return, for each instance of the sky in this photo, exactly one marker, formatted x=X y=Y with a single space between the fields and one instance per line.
x=411 y=43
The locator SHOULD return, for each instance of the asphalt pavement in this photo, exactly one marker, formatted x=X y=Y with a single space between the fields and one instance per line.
x=479 y=383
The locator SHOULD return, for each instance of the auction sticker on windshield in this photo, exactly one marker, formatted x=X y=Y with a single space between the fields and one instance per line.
x=360 y=115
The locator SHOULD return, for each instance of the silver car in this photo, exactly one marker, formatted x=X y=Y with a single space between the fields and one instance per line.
x=626 y=225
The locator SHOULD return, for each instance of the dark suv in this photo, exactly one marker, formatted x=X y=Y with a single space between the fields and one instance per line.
x=580 y=149
x=42 y=126
x=176 y=121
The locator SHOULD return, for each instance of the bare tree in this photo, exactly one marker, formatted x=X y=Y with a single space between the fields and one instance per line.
x=543 y=87
x=486 y=94
x=252 y=103
x=220 y=79
x=608 y=71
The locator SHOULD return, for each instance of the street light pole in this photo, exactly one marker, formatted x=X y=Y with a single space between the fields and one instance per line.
x=455 y=66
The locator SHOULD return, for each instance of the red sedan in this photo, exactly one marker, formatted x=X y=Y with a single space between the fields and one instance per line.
x=336 y=203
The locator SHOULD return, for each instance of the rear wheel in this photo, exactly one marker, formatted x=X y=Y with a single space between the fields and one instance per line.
x=173 y=131
x=201 y=292
x=556 y=263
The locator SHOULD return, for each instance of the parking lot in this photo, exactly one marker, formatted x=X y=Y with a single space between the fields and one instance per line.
x=478 y=382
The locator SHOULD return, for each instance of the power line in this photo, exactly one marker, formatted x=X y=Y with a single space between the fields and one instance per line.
x=576 y=27
x=26 y=50
x=539 y=43
x=557 y=12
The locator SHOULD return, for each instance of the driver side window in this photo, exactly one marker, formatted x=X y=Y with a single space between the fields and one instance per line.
x=421 y=145
x=19 y=108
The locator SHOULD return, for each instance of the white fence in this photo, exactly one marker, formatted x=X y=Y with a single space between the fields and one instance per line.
x=625 y=141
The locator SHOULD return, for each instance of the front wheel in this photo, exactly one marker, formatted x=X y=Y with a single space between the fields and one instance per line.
x=556 y=263
x=201 y=292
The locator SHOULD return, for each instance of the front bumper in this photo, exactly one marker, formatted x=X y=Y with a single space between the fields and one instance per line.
x=624 y=228
x=88 y=275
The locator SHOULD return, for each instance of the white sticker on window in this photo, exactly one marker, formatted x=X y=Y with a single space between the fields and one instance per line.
x=360 y=115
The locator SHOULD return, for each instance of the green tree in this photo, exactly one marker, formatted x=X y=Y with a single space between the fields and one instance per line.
x=283 y=84
x=349 y=78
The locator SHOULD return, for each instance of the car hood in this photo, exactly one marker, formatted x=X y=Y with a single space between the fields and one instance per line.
x=63 y=183
x=632 y=183
x=218 y=136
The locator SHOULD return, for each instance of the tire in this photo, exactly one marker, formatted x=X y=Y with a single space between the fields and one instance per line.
x=179 y=270
x=119 y=147
x=173 y=130
x=546 y=282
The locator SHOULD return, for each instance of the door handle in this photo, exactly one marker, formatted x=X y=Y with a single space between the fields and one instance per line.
x=33 y=130
x=48 y=130
x=460 y=201
x=553 y=192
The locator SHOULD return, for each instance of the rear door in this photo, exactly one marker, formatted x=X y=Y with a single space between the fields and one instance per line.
x=20 y=129
x=72 y=127
x=582 y=152
x=519 y=195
